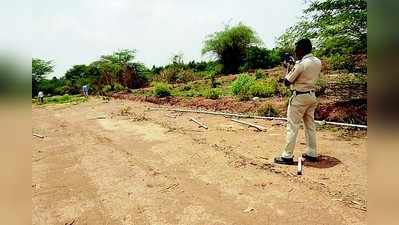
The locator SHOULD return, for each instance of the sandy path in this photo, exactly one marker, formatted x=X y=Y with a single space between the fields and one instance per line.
x=166 y=170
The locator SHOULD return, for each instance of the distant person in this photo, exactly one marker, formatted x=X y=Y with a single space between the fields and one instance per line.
x=302 y=103
x=40 y=97
x=85 y=90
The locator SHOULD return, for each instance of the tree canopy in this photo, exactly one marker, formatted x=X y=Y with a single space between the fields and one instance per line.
x=40 y=68
x=231 y=45
x=335 y=26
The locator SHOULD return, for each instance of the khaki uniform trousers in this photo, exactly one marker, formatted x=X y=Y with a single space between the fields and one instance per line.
x=301 y=107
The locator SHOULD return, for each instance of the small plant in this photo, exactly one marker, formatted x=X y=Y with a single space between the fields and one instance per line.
x=161 y=90
x=284 y=91
x=119 y=87
x=107 y=88
x=264 y=89
x=186 y=88
x=258 y=74
x=187 y=75
x=212 y=78
x=242 y=85
x=125 y=111
x=341 y=62
x=268 y=110
x=212 y=93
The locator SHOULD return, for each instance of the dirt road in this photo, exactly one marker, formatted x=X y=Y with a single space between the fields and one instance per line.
x=103 y=163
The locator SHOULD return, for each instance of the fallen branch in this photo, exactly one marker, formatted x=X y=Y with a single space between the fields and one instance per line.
x=98 y=118
x=171 y=116
x=198 y=122
x=257 y=117
x=250 y=124
x=38 y=135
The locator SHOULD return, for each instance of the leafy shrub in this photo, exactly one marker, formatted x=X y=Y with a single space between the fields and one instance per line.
x=242 y=85
x=174 y=74
x=264 y=89
x=191 y=93
x=212 y=93
x=341 y=62
x=268 y=110
x=186 y=88
x=258 y=74
x=212 y=77
x=283 y=90
x=186 y=75
x=119 y=87
x=167 y=75
x=161 y=90
x=107 y=88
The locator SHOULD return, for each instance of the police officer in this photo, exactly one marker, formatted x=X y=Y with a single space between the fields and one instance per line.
x=302 y=103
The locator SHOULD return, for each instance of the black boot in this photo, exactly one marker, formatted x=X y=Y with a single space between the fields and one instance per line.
x=310 y=158
x=285 y=161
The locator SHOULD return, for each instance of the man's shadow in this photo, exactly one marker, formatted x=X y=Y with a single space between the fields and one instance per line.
x=324 y=161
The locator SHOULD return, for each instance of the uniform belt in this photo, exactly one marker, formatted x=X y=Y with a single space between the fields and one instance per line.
x=302 y=92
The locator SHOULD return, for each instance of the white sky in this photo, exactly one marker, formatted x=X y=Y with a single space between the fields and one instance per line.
x=80 y=31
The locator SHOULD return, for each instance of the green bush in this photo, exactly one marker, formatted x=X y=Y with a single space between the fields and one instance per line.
x=174 y=74
x=107 y=88
x=341 y=62
x=283 y=90
x=186 y=88
x=185 y=76
x=264 y=89
x=119 y=87
x=259 y=74
x=167 y=75
x=161 y=90
x=212 y=93
x=242 y=85
x=268 y=110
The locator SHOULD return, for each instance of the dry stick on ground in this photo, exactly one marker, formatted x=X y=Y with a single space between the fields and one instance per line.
x=98 y=118
x=198 y=122
x=38 y=135
x=250 y=124
x=171 y=116
x=257 y=117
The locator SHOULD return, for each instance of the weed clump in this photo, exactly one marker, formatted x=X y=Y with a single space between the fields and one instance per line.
x=264 y=89
x=241 y=87
x=161 y=90
x=212 y=93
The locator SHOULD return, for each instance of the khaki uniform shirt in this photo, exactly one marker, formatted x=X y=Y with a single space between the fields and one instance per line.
x=305 y=74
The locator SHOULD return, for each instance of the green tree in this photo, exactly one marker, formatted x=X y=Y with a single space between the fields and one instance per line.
x=54 y=86
x=120 y=57
x=335 y=26
x=259 y=58
x=231 y=45
x=40 y=68
x=80 y=75
x=341 y=25
x=111 y=66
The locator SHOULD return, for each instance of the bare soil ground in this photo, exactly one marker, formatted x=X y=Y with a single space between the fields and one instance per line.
x=106 y=163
